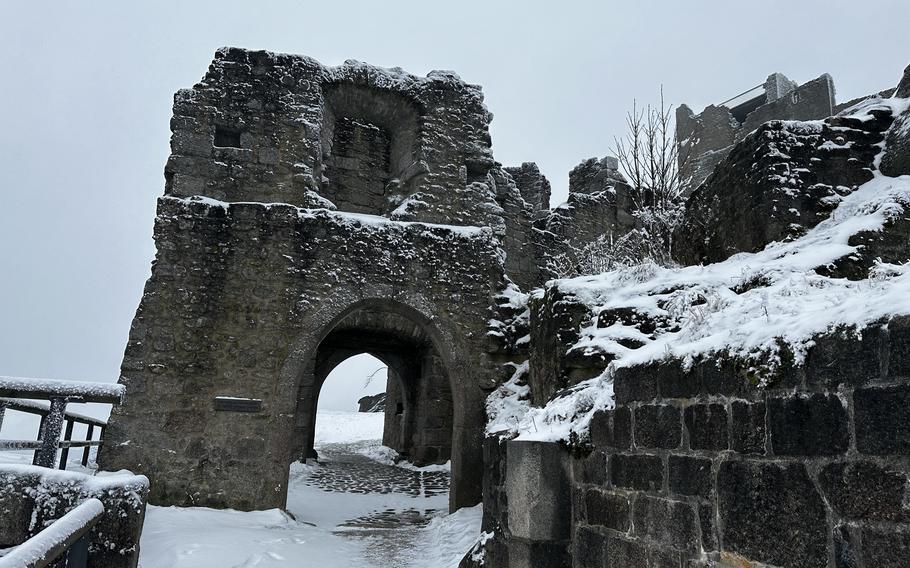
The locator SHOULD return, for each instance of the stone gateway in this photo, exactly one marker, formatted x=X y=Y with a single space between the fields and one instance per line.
x=311 y=214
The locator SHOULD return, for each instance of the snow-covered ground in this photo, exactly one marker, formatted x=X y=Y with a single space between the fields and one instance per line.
x=326 y=528
x=320 y=533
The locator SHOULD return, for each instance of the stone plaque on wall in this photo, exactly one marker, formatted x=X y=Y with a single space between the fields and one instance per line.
x=235 y=404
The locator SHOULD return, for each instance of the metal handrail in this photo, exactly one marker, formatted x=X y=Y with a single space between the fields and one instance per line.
x=46 y=389
x=747 y=91
x=41 y=408
x=67 y=535
x=54 y=415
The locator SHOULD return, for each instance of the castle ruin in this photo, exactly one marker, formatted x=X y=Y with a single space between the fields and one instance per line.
x=312 y=213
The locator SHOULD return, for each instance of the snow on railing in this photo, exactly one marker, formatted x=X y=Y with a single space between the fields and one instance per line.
x=57 y=395
x=67 y=535
x=20 y=387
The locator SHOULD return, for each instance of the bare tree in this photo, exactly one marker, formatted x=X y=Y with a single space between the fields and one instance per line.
x=372 y=375
x=649 y=157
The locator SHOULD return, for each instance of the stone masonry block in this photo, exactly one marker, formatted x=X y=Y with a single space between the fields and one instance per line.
x=707 y=426
x=899 y=352
x=708 y=527
x=865 y=490
x=772 y=513
x=591 y=468
x=622 y=428
x=689 y=475
x=675 y=382
x=588 y=548
x=666 y=521
x=657 y=426
x=882 y=418
x=719 y=377
x=637 y=471
x=538 y=491
x=886 y=548
x=808 y=425
x=612 y=428
x=608 y=510
x=631 y=384
x=748 y=427
x=627 y=553
x=845 y=358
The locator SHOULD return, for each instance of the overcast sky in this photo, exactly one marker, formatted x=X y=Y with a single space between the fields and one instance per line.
x=87 y=93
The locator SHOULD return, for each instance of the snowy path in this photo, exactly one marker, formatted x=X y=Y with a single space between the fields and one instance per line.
x=349 y=511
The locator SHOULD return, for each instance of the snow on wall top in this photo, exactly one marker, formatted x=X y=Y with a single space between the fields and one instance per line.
x=362 y=219
x=101 y=481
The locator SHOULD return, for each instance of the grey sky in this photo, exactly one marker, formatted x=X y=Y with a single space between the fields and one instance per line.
x=88 y=86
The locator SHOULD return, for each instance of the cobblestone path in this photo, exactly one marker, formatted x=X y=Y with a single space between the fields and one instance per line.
x=386 y=532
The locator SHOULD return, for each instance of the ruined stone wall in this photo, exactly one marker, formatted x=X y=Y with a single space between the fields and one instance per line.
x=533 y=186
x=704 y=140
x=258 y=289
x=31 y=498
x=599 y=205
x=722 y=463
x=292 y=131
x=358 y=169
x=239 y=299
x=811 y=100
x=783 y=179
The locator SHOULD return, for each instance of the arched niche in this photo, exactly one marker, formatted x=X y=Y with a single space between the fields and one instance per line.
x=370 y=142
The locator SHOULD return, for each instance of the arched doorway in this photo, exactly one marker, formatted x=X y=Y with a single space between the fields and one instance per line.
x=426 y=400
x=418 y=408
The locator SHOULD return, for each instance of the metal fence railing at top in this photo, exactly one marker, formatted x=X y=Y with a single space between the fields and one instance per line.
x=48 y=398
x=744 y=97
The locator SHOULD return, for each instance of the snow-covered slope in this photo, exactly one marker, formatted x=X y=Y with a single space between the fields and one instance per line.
x=747 y=306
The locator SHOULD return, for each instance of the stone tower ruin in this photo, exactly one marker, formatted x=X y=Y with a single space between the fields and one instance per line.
x=310 y=214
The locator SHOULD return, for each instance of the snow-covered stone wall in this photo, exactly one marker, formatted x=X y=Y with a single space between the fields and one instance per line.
x=748 y=412
x=251 y=301
x=32 y=498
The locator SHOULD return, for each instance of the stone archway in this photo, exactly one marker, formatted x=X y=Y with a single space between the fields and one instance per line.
x=435 y=421
x=299 y=195
x=418 y=422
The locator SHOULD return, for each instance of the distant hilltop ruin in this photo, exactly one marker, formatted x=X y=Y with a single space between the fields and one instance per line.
x=706 y=138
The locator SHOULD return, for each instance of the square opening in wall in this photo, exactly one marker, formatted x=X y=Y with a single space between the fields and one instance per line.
x=227 y=137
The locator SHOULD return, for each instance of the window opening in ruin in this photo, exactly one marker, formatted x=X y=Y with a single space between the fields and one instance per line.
x=226 y=137
x=369 y=139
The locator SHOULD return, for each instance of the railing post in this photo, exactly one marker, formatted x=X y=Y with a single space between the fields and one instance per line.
x=67 y=436
x=77 y=556
x=50 y=438
x=88 y=437
x=2 y=412
x=40 y=437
